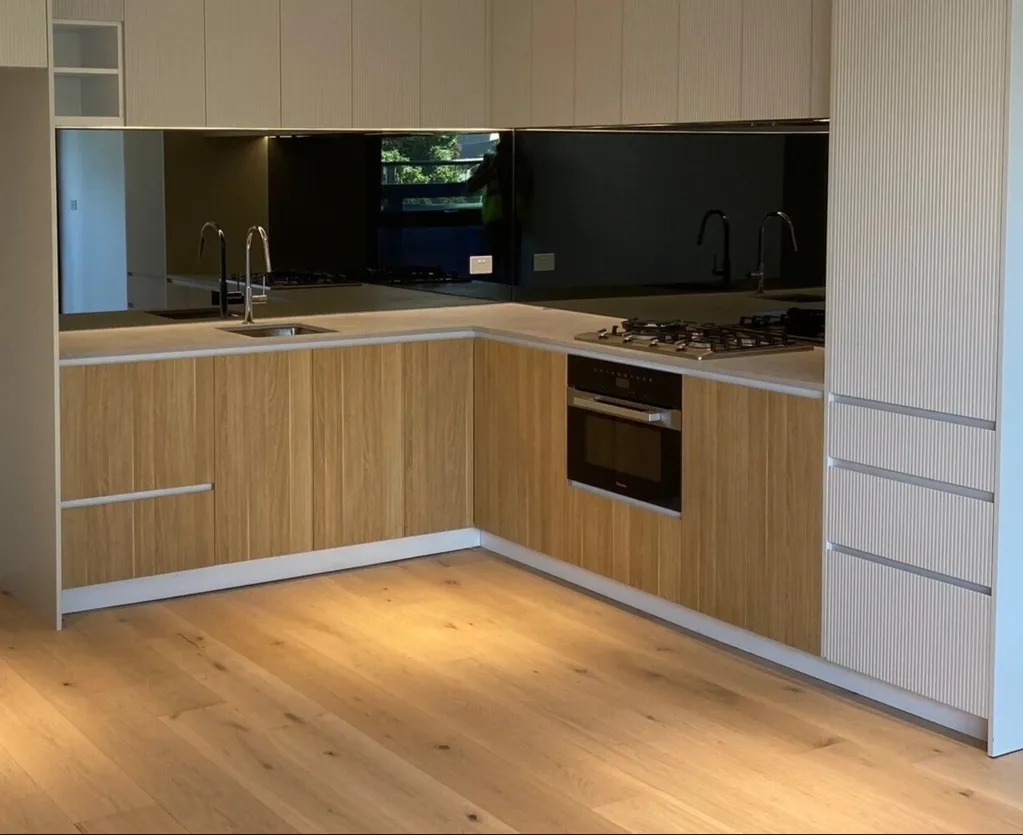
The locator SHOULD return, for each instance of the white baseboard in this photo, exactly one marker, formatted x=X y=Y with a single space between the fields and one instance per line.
x=734 y=636
x=217 y=577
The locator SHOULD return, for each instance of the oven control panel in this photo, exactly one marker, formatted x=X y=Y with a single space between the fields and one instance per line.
x=627 y=382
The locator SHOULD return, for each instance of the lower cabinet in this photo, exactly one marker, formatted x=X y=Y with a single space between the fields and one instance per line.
x=747 y=548
x=264 y=454
x=392 y=429
x=124 y=540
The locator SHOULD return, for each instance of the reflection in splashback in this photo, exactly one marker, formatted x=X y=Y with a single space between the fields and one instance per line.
x=540 y=216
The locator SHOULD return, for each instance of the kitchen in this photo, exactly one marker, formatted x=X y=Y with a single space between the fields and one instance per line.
x=836 y=509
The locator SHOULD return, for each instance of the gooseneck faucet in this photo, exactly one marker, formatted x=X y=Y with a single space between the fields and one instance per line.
x=758 y=274
x=249 y=298
x=223 y=262
x=725 y=270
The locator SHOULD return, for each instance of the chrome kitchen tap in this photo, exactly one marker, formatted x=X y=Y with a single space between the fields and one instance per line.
x=249 y=298
x=725 y=270
x=225 y=296
x=758 y=274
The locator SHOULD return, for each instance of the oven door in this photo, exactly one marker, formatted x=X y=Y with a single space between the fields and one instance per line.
x=626 y=448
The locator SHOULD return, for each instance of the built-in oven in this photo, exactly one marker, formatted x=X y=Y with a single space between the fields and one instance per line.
x=625 y=431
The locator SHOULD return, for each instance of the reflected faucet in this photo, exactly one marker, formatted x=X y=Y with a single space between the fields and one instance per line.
x=249 y=298
x=225 y=297
x=725 y=270
x=758 y=274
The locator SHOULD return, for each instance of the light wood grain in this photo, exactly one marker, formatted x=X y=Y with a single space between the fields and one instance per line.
x=97 y=544
x=173 y=422
x=174 y=533
x=437 y=414
x=456 y=693
x=328 y=476
x=263 y=455
x=372 y=464
x=96 y=431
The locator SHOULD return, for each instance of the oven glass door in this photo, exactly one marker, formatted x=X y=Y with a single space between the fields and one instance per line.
x=631 y=458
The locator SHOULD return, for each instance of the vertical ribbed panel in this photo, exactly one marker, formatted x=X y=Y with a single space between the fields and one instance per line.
x=454 y=64
x=112 y=10
x=935 y=449
x=23 y=34
x=598 y=62
x=243 y=63
x=916 y=207
x=941 y=532
x=511 y=59
x=650 y=61
x=553 y=81
x=777 y=47
x=164 y=64
x=385 y=63
x=923 y=635
x=820 y=72
x=316 y=63
x=710 y=63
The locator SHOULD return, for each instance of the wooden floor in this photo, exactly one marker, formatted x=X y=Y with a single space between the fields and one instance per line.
x=456 y=693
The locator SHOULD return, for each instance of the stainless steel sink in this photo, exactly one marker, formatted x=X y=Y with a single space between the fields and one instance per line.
x=271 y=331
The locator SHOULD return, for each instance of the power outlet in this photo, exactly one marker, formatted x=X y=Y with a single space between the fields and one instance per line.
x=74 y=205
x=543 y=262
x=481 y=264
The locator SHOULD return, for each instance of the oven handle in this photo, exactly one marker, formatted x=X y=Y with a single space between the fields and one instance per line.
x=636 y=412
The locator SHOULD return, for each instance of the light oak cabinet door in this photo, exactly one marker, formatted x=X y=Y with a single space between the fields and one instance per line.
x=131 y=427
x=650 y=61
x=358 y=473
x=143 y=538
x=521 y=481
x=752 y=508
x=243 y=63
x=264 y=455
x=777 y=60
x=386 y=63
x=23 y=33
x=455 y=78
x=316 y=63
x=438 y=429
x=164 y=63
x=711 y=59
x=598 y=62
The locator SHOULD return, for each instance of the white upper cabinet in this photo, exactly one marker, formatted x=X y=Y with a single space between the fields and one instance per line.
x=598 y=62
x=103 y=10
x=553 y=69
x=820 y=80
x=23 y=33
x=243 y=63
x=777 y=58
x=650 y=61
x=455 y=83
x=511 y=39
x=386 y=63
x=164 y=63
x=316 y=63
x=710 y=69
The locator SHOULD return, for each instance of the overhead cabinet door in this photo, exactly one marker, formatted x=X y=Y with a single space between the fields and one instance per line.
x=316 y=63
x=386 y=63
x=243 y=63
x=710 y=75
x=598 y=62
x=164 y=63
x=650 y=61
x=777 y=44
x=23 y=34
x=454 y=64
x=553 y=78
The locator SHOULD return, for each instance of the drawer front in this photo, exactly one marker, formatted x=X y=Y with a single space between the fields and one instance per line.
x=941 y=532
x=928 y=637
x=948 y=452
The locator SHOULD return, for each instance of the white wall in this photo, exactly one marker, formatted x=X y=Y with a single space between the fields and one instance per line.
x=29 y=500
x=91 y=221
x=145 y=219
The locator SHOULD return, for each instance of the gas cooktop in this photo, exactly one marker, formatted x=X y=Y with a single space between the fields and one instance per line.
x=696 y=341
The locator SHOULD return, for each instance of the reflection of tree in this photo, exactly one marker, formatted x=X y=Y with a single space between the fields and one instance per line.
x=441 y=146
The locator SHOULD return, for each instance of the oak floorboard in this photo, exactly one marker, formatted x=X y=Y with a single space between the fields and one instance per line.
x=452 y=693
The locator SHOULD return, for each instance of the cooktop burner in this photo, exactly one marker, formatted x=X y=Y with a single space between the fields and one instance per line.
x=796 y=322
x=695 y=340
